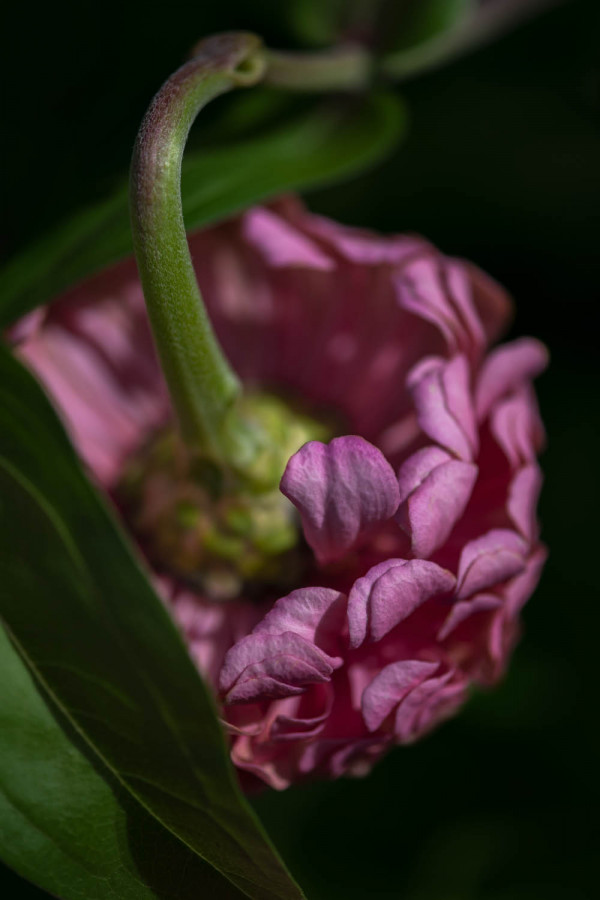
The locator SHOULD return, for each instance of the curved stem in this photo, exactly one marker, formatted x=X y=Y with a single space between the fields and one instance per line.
x=344 y=68
x=202 y=385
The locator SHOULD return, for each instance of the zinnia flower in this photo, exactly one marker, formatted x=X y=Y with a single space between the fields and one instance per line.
x=420 y=541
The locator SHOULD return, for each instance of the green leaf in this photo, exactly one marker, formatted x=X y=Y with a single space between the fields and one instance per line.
x=439 y=31
x=427 y=19
x=317 y=147
x=84 y=616
x=316 y=21
x=66 y=823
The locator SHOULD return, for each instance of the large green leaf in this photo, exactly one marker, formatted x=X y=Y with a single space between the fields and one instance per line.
x=66 y=822
x=316 y=147
x=85 y=617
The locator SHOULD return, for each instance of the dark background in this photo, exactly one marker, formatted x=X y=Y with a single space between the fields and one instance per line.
x=502 y=165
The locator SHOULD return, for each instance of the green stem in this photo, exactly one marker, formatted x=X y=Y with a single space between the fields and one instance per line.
x=339 y=69
x=202 y=385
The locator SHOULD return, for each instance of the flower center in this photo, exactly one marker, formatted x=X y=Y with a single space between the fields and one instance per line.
x=228 y=533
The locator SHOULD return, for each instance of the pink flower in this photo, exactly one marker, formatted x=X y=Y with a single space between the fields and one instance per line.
x=420 y=519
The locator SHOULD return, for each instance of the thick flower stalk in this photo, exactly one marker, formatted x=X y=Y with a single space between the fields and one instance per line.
x=411 y=534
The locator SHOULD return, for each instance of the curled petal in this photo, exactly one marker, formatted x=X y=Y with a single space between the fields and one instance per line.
x=492 y=302
x=268 y=666
x=504 y=628
x=250 y=757
x=363 y=247
x=520 y=588
x=490 y=560
x=438 y=290
x=97 y=361
x=464 y=609
x=442 y=398
x=523 y=496
x=281 y=244
x=432 y=701
x=340 y=489
x=505 y=369
x=434 y=491
x=300 y=717
x=209 y=628
x=316 y=614
x=390 y=687
x=517 y=427
x=389 y=593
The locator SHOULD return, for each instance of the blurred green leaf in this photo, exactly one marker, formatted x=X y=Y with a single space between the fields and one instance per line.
x=443 y=30
x=427 y=19
x=66 y=823
x=84 y=616
x=316 y=21
x=314 y=148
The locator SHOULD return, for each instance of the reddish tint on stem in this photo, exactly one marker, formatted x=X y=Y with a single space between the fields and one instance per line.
x=420 y=516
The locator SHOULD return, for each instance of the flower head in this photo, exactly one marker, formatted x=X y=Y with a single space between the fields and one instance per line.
x=414 y=535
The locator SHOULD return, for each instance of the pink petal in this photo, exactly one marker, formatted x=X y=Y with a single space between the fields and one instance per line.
x=27 y=327
x=340 y=489
x=517 y=427
x=492 y=302
x=281 y=244
x=263 y=666
x=246 y=756
x=523 y=496
x=300 y=717
x=97 y=361
x=463 y=609
x=209 y=628
x=389 y=593
x=519 y=589
x=390 y=686
x=363 y=247
x=460 y=291
x=434 y=700
x=490 y=560
x=505 y=369
x=356 y=758
x=516 y=593
x=442 y=397
x=316 y=614
x=434 y=491
x=438 y=290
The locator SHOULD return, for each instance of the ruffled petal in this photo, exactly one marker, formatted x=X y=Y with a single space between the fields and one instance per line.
x=434 y=491
x=490 y=560
x=209 y=628
x=523 y=496
x=517 y=427
x=340 y=489
x=362 y=247
x=464 y=609
x=282 y=245
x=267 y=666
x=505 y=628
x=432 y=701
x=94 y=354
x=435 y=289
x=298 y=718
x=389 y=593
x=390 y=687
x=505 y=369
x=442 y=397
x=492 y=302
x=316 y=614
